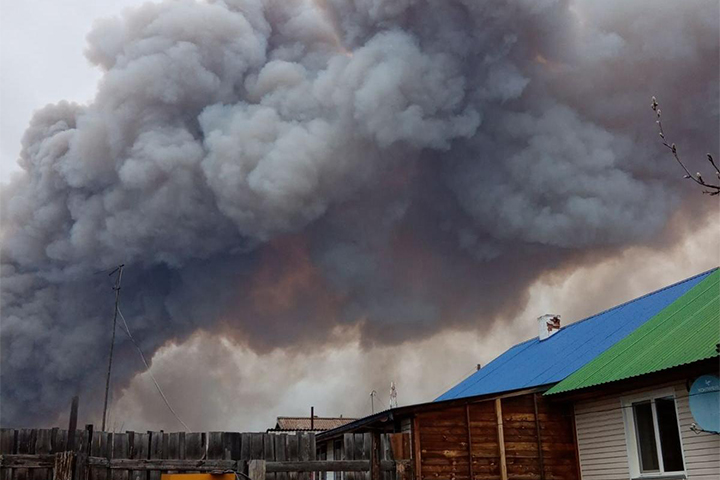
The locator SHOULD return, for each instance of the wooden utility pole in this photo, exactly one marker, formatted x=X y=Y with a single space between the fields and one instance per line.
x=72 y=427
x=116 y=287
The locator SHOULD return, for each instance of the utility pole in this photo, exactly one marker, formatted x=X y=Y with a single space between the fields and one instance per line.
x=373 y=394
x=116 y=287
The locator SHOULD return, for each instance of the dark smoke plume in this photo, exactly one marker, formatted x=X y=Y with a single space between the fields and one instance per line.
x=270 y=168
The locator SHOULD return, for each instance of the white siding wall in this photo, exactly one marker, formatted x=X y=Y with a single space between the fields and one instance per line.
x=702 y=451
x=603 y=449
x=601 y=440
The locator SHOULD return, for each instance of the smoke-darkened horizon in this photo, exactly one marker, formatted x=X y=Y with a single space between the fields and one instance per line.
x=270 y=171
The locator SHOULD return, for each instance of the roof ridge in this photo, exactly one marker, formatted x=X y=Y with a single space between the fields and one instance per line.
x=654 y=292
x=316 y=417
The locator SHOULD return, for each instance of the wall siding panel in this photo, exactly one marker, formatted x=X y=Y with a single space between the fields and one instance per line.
x=602 y=444
x=702 y=451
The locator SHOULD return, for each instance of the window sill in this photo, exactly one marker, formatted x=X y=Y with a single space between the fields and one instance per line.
x=664 y=476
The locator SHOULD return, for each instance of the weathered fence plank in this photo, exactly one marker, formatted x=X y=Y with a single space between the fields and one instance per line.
x=281 y=453
x=256 y=469
x=120 y=450
x=293 y=452
x=156 y=451
x=43 y=446
x=348 y=453
x=195 y=447
x=25 y=445
x=63 y=465
x=8 y=445
x=140 y=450
x=231 y=445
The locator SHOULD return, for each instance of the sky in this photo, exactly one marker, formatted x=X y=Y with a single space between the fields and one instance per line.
x=38 y=39
x=236 y=360
x=334 y=380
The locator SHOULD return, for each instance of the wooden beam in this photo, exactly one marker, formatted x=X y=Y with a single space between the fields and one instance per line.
x=144 y=464
x=416 y=448
x=501 y=440
x=469 y=441
x=541 y=460
x=27 y=461
x=331 y=466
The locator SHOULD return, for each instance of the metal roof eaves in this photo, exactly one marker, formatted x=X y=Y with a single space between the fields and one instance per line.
x=548 y=393
x=490 y=368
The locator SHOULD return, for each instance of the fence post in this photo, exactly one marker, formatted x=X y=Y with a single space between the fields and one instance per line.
x=375 y=473
x=72 y=427
x=256 y=469
x=403 y=470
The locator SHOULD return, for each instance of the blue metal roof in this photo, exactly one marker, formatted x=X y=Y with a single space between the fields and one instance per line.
x=534 y=362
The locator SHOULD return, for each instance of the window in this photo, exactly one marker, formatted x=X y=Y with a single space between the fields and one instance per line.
x=653 y=435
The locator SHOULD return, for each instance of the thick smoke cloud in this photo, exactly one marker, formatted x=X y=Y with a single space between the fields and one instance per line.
x=271 y=169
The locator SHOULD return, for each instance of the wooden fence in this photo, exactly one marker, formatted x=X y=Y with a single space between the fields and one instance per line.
x=29 y=454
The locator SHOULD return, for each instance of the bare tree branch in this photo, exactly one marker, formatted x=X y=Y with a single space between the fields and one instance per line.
x=710 y=188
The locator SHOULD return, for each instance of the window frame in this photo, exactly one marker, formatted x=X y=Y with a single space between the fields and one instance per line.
x=632 y=440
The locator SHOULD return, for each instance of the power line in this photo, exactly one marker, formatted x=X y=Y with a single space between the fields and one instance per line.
x=147 y=366
x=622 y=407
x=453 y=383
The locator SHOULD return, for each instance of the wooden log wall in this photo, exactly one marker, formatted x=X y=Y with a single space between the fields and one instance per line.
x=463 y=443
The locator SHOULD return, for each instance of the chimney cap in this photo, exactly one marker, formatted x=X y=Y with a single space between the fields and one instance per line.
x=548 y=325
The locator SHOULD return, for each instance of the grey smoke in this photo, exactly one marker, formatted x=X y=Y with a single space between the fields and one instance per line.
x=269 y=169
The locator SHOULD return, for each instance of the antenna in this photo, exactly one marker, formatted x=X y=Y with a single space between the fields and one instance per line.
x=373 y=394
x=393 y=395
x=116 y=287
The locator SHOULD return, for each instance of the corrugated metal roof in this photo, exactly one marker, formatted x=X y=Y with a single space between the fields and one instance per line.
x=303 y=423
x=534 y=362
x=686 y=331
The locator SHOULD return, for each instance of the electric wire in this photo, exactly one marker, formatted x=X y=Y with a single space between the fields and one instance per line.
x=147 y=366
x=450 y=385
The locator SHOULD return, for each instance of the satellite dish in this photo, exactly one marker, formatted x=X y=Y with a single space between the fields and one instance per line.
x=705 y=402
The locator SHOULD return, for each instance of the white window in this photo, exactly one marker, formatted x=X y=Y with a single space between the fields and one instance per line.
x=653 y=434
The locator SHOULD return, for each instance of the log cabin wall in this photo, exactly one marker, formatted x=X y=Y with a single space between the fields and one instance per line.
x=497 y=439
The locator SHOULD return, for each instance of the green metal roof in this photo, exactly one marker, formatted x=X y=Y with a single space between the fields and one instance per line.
x=686 y=331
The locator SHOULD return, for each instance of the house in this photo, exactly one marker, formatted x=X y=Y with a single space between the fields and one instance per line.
x=638 y=410
x=308 y=424
x=497 y=423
